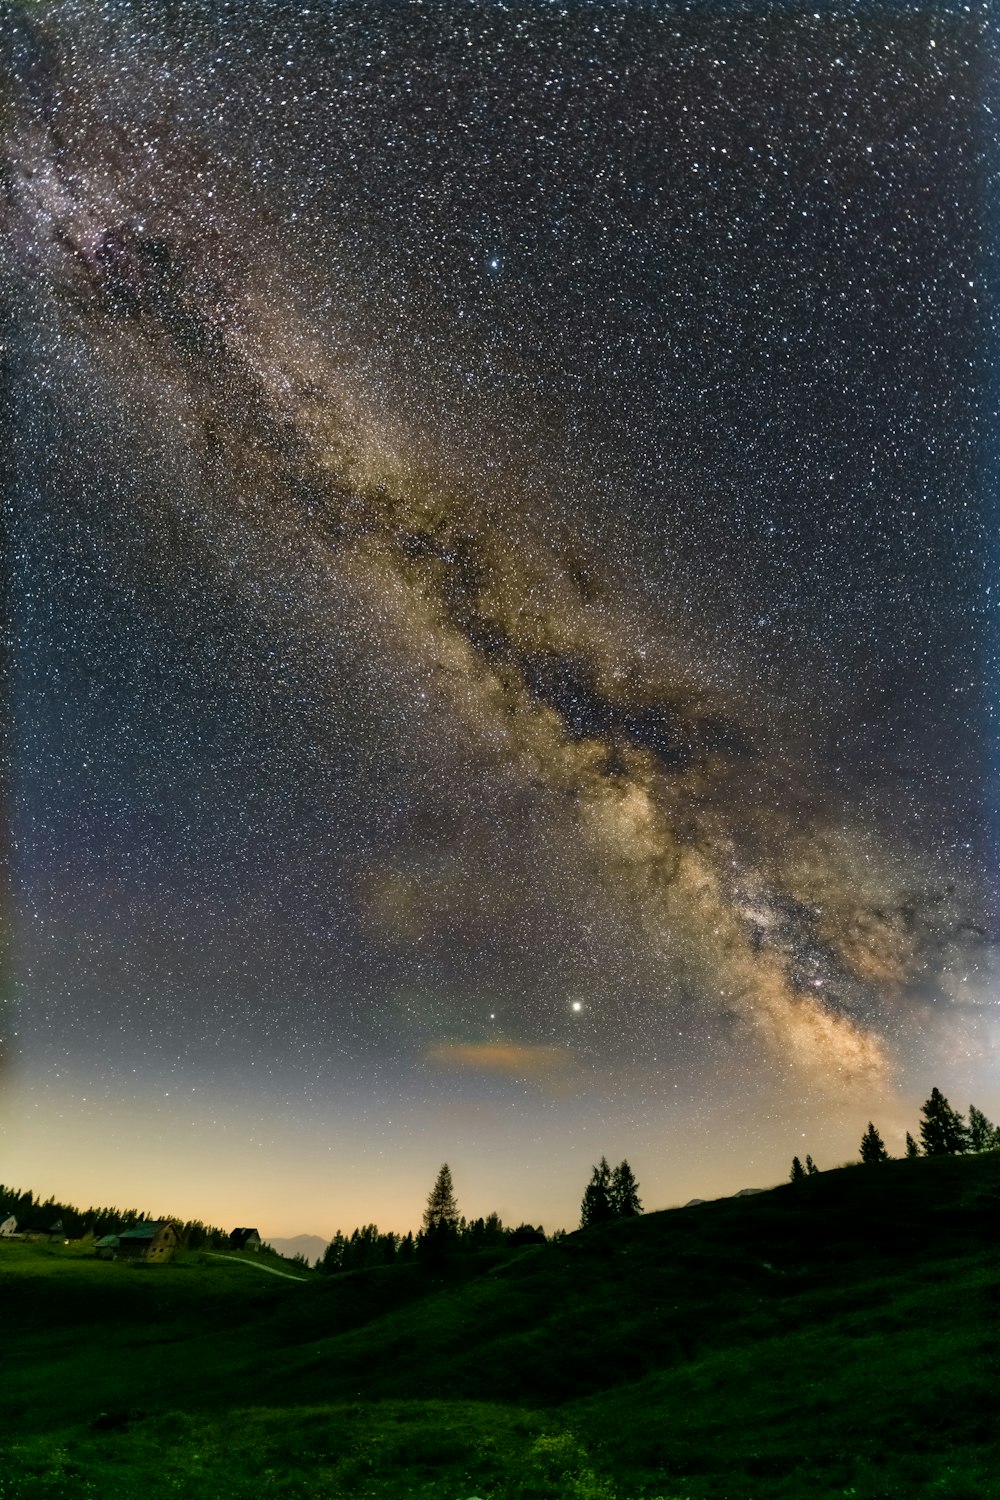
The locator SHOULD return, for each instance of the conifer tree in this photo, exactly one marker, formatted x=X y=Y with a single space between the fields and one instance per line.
x=811 y=1168
x=983 y=1134
x=912 y=1149
x=596 y=1207
x=942 y=1129
x=333 y=1255
x=624 y=1193
x=441 y=1213
x=798 y=1172
x=493 y=1230
x=438 y=1237
x=873 y=1147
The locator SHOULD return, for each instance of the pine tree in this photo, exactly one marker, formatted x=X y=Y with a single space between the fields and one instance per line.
x=624 y=1193
x=333 y=1255
x=441 y=1213
x=942 y=1129
x=798 y=1172
x=873 y=1147
x=493 y=1230
x=811 y=1168
x=983 y=1134
x=912 y=1149
x=596 y=1206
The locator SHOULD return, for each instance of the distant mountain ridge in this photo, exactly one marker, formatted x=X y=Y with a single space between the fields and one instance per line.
x=309 y=1245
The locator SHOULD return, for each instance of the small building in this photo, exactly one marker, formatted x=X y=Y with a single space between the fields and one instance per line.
x=44 y=1230
x=149 y=1241
x=107 y=1247
x=245 y=1239
x=8 y=1226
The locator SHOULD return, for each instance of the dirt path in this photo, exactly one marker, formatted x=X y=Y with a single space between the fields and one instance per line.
x=254 y=1266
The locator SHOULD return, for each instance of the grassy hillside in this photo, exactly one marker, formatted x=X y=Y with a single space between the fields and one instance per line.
x=838 y=1338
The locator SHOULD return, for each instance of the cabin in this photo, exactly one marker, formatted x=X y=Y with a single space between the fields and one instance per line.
x=148 y=1241
x=107 y=1247
x=8 y=1226
x=44 y=1230
x=245 y=1239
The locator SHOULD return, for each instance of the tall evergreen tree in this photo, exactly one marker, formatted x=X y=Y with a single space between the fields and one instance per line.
x=873 y=1147
x=912 y=1149
x=441 y=1212
x=798 y=1172
x=624 y=1193
x=983 y=1134
x=438 y=1237
x=596 y=1207
x=811 y=1168
x=942 y=1129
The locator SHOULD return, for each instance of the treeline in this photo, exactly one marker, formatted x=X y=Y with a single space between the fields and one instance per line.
x=368 y=1246
x=443 y=1233
x=943 y=1132
x=612 y=1193
x=50 y=1216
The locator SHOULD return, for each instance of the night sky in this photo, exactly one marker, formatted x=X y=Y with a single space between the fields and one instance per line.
x=503 y=537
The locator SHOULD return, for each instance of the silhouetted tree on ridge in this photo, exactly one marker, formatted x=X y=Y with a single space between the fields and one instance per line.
x=596 y=1206
x=610 y=1195
x=624 y=1193
x=439 y=1234
x=873 y=1147
x=982 y=1133
x=441 y=1211
x=942 y=1129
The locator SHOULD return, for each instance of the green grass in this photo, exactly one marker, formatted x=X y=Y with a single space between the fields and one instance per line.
x=424 y=1449
x=836 y=1340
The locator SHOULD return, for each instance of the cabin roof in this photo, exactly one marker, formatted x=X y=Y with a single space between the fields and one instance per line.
x=147 y=1230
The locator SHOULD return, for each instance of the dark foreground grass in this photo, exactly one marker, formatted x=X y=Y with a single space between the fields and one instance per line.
x=837 y=1341
x=420 y=1449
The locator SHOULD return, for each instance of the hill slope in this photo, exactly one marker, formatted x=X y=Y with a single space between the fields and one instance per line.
x=833 y=1337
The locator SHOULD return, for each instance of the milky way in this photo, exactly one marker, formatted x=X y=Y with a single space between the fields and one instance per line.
x=549 y=443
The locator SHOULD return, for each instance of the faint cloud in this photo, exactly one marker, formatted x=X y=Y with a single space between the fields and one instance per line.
x=515 y=1060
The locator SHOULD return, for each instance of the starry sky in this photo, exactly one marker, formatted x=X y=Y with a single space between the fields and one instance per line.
x=503 y=645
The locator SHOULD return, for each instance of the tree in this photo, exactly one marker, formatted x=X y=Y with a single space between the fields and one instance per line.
x=798 y=1172
x=439 y=1234
x=624 y=1193
x=525 y=1234
x=912 y=1149
x=596 y=1207
x=811 y=1168
x=942 y=1129
x=983 y=1134
x=333 y=1255
x=873 y=1147
x=441 y=1213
